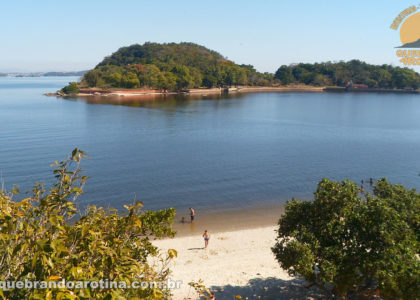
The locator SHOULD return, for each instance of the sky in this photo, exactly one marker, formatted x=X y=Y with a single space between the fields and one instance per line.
x=75 y=35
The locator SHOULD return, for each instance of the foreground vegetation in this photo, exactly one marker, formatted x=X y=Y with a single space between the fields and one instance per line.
x=40 y=242
x=349 y=243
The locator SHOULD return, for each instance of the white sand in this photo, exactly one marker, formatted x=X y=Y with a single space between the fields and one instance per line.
x=231 y=261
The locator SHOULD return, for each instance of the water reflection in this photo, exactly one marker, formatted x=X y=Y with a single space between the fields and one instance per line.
x=166 y=102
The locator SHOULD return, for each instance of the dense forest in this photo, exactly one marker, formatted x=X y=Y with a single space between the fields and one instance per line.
x=171 y=66
x=341 y=73
x=181 y=66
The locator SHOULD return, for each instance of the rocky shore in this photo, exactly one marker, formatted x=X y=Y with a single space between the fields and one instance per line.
x=245 y=89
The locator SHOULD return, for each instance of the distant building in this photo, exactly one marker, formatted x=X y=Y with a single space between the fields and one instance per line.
x=360 y=86
x=351 y=85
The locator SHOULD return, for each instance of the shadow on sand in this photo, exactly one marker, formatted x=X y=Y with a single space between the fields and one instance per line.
x=269 y=289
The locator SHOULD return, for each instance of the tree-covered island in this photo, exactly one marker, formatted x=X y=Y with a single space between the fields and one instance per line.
x=183 y=66
x=171 y=67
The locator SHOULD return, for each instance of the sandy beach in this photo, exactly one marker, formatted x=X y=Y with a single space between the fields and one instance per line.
x=238 y=262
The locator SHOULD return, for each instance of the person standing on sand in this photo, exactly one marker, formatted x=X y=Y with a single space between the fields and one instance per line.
x=192 y=214
x=206 y=237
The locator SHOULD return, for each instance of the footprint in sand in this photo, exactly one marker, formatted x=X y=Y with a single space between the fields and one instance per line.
x=204 y=257
x=188 y=262
x=222 y=238
x=213 y=252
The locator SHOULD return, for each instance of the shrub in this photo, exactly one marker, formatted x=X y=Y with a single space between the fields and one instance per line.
x=39 y=241
x=71 y=89
x=353 y=243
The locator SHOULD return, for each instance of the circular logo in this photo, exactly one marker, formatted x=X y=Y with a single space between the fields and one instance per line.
x=410 y=32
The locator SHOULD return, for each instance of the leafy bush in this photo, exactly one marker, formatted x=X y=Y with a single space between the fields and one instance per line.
x=39 y=241
x=346 y=242
x=71 y=89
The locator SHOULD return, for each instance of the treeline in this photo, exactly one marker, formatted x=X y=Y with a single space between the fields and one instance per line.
x=172 y=67
x=187 y=65
x=341 y=73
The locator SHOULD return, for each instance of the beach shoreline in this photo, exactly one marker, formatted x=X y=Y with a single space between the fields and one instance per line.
x=95 y=92
x=228 y=219
x=238 y=262
x=147 y=93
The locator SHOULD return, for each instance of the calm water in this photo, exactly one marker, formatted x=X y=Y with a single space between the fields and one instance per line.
x=257 y=149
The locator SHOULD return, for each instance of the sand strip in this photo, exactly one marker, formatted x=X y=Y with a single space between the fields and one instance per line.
x=235 y=263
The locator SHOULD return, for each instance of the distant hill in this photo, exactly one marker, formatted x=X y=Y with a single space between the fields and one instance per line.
x=39 y=74
x=3 y=75
x=79 y=73
x=415 y=44
x=172 y=66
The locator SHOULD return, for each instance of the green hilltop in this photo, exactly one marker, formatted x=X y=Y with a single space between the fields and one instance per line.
x=171 y=66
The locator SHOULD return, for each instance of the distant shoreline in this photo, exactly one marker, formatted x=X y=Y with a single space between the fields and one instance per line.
x=89 y=92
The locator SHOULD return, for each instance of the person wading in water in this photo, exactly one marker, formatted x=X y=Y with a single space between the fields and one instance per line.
x=192 y=214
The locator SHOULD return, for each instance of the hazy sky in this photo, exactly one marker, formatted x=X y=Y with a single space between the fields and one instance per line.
x=75 y=35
